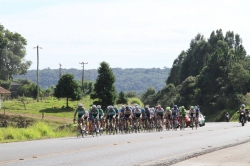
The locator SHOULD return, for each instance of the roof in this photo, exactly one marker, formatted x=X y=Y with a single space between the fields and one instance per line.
x=4 y=91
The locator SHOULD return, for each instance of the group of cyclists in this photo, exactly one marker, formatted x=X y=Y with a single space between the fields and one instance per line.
x=128 y=118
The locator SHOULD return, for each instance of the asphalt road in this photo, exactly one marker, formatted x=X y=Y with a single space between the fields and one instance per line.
x=155 y=148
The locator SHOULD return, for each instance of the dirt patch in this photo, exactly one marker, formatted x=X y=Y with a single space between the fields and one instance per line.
x=45 y=117
x=15 y=121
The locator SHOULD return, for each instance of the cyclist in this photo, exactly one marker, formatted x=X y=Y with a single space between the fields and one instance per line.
x=182 y=113
x=175 y=114
x=122 y=111
x=94 y=115
x=197 y=112
x=101 y=115
x=192 y=113
x=116 y=116
x=86 y=119
x=143 y=117
x=242 y=110
x=159 y=114
x=168 y=115
x=152 y=114
x=111 y=115
x=80 y=111
x=138 y=114
x=147 y=115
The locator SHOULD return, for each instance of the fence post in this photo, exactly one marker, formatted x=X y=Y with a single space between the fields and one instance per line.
x=42 y=114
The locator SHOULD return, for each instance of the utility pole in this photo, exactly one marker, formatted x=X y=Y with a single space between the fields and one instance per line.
x=37 y=48
x=60 y=71
x=82 y=63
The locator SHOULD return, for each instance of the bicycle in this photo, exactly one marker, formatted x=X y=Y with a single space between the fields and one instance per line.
x=94 y=128
x=168 y=124
x=136 y=125
x=183 y=123
x=175 y=123
x=122 y=125
x=127 y=125
x=109 y=126
x=159 y=124
x=81 y=129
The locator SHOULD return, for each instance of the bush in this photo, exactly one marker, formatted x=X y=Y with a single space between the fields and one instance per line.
x=135 y=101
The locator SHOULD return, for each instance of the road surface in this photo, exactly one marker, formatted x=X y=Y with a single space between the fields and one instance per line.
x=155 y=148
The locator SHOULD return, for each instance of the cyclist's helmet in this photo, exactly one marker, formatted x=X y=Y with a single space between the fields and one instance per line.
x=98 y=107
x=80 y=105
x=123 y=107
x=115 y=107
x=111 y=107
x=242 y=105
x=192 y=107
x=175 y=106
x=167 y=108
x=183 y=107
x=93 y=106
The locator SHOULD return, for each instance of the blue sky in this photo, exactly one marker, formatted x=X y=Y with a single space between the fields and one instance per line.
x=126 y=34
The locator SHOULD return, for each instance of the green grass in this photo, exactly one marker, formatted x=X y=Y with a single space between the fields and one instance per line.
x=48 y=127
x=50 y=106
x=39 y=130
x=220 y=116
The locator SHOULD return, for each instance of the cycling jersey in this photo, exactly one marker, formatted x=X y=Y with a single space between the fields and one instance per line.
x=100 y=113
x=183 y=112
x=175 y=112
x=94 y=113
x=110 y=113
x=127 y=113
x=159 y=111
x=147 y=113
x=80 y=112
x=137 y=113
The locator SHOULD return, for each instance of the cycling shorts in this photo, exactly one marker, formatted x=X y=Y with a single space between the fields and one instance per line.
x=137 y=115
x=161 y=115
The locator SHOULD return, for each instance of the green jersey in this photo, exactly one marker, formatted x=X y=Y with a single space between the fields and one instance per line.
x=94 y=113
x=100 y=113
x=182 y=112
x=111 y=112
x=80 y=112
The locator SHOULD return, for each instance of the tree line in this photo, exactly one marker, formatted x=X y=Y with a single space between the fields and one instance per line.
x=213 y=73
x=127 y=80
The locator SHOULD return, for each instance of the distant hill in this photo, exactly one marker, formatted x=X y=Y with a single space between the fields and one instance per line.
x=131 y=79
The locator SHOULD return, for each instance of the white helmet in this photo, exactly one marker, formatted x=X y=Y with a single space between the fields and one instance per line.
x=123 y=107
x=80 y=105
x=98 y=107
x=93 y=106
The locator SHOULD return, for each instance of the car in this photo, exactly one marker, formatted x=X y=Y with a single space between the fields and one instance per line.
x=202 y=120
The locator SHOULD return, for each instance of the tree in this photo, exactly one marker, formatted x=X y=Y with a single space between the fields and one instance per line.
x=69 y=88
x=104 y=89
x=131 y=94
x=148 y=97
x=122 y=99
x=12 y=53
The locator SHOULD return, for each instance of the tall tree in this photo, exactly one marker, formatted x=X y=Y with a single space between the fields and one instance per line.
x=67 y=88
x=122 y=99
x=104 y=89
x=12 y=53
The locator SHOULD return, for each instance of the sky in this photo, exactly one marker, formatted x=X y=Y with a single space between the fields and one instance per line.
x=123 y=33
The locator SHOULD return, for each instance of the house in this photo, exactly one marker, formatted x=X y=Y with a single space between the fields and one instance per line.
x=14 y=87
x=3 y=95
